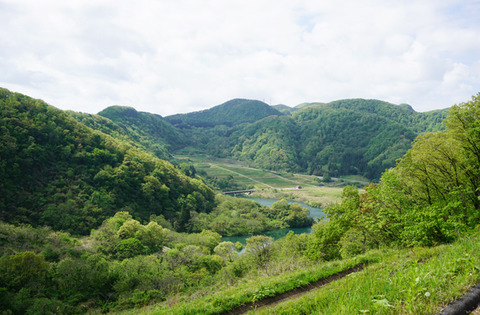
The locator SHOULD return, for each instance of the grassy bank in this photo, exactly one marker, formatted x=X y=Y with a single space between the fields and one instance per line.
x=253 y=289
x=405 y=281
x=416 y=281
x=314 y=196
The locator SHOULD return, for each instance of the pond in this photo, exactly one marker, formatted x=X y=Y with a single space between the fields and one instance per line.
x=315 y=213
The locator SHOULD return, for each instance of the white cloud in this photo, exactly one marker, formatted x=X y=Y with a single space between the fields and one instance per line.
x=179 y=56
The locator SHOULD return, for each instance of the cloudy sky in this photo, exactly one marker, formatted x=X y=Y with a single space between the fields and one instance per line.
x=177 y=56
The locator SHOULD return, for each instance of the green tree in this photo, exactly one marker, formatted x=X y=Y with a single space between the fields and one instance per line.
x=151 y=236
x=83 y=279
x=129 y=247
x=129 y=228
x=22 y=270
x=184 y=220
x=260 y=249
x=326 y=235
x=463 y=123
x=143 y=274
x=227 y=251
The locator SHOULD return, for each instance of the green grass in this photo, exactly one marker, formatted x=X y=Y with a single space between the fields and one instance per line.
x=271 y=184
x=357 y=178
x=229 y=298
x=402 y=281
x=314 y=196
x=257 y=178
x=418 y=281
x=221 y=168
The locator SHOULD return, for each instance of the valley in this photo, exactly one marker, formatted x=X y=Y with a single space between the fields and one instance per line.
x=124 y=212
x=309 y=189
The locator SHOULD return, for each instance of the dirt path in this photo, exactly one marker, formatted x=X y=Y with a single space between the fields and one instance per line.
x=293 y=293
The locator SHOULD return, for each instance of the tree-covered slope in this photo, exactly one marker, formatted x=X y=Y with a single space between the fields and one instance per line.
x=432 y=195
x=131 y=134
x=270 y=143
x=56 y=171
x=150 y=130
x=402 y=114
x=345 y=137
x=338 y=142
x=359 y=136
x=231 y=113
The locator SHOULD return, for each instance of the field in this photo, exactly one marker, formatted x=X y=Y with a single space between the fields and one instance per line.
x=409 y=281
x=276 y=185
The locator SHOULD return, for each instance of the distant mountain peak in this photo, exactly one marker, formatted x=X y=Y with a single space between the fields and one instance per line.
x=407 y=107
x=230 y=113
x=118 y=110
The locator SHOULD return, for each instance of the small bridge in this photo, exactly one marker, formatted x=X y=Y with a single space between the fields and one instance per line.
x=235 y=192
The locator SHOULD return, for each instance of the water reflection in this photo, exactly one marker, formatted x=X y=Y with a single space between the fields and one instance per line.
x=315 y=213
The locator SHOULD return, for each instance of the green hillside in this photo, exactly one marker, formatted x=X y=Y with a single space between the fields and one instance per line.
x=358 y=136
x=402 y=114
x=304 y=105
x=231 y=113
x=271 y=143
x=150 y=130
x=126 y=132
x=56 y=171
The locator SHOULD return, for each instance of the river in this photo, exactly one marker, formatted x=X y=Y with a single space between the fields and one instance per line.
x=315 y=213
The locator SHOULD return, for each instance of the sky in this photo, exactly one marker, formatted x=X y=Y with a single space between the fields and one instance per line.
x=178 y=56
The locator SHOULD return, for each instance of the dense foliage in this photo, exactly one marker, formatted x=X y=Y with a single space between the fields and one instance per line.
x=430 y=197
x=121 y=264
x=124 y=263
x=147 y=129
x=271 y=143
x=345 y=137
x=238 y=216
x=145 y=141
x=60 y=173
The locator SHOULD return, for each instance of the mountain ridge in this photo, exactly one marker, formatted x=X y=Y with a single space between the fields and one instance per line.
x=343 y=137
x=313 y=138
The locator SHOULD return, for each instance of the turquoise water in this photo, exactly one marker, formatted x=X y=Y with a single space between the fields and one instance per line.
x=276 y=234
x=315 y=213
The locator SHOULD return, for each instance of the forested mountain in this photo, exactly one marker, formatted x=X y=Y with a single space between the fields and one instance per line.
x=56 y=171
x=146 y=128
x=304 y=105
x=344 y=137
x=354 y=136
x=359 y=136
x=231 y=113
x=130 y=133
x=402 y=114
x=271 y=143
